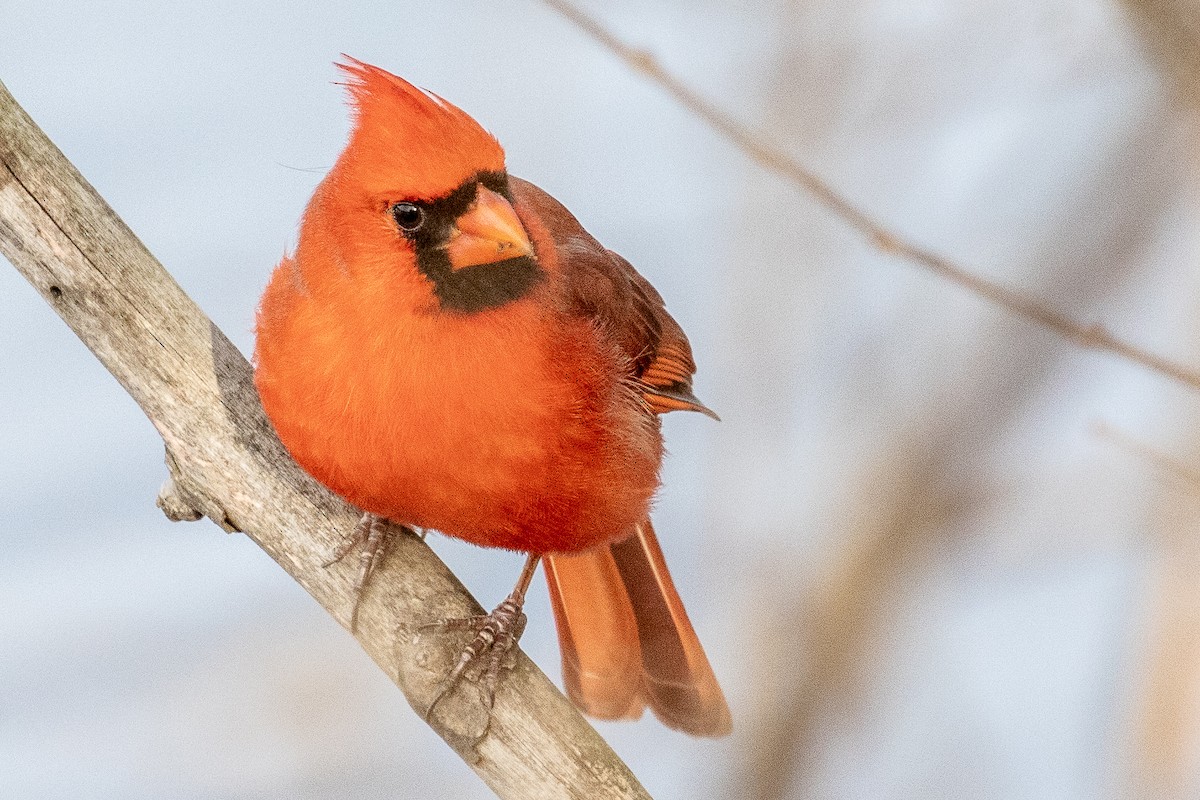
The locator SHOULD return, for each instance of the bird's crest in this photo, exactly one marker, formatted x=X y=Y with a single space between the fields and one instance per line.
x=407 y=141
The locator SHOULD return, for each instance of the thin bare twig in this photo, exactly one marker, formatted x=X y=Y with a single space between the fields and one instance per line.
x=226 y=463
x=773 y=158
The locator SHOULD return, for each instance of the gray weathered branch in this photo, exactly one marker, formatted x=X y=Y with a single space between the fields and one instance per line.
x=226 y=463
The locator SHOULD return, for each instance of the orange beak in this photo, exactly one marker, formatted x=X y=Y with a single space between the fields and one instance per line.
x=488 y=232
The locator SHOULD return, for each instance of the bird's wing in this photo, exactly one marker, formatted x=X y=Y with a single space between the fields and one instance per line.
x=604 y=287
x=626 y=640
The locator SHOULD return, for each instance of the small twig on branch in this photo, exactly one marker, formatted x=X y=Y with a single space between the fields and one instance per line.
x=773 y=158
x=226 y=463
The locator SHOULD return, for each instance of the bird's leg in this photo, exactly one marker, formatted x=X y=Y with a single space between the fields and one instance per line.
x=373 y=534
x=495 y=635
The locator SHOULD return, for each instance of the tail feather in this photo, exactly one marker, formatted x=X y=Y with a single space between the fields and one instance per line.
x=627 y=641
x=597 y=634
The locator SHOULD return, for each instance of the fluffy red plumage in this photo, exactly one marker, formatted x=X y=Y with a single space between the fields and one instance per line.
x=448 y=348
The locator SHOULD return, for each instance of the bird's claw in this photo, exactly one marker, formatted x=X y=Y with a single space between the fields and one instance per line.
x=374 y=535
x=495 y=636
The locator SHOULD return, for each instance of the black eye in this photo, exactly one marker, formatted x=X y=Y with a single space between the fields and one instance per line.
x=408 y=216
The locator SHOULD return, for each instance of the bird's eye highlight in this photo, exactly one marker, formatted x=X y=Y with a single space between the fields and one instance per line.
x=408 y=216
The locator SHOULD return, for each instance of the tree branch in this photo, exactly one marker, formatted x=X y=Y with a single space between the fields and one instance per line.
x=226 y=463
x=775 y=159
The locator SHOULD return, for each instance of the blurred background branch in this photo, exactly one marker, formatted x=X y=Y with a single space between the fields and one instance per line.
x=773 y=158
x=909 y=505
x=1164 y=723
x=1171 y=31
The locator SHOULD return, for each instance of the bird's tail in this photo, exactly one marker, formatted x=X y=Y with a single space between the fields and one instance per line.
x=626 y=641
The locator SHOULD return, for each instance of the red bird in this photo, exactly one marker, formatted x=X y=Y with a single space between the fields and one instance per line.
x=448 y=348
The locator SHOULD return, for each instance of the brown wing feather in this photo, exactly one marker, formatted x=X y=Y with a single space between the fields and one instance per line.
x=626 y=640
x=605 y=287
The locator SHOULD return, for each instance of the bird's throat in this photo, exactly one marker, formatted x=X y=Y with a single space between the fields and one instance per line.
x=479 y=287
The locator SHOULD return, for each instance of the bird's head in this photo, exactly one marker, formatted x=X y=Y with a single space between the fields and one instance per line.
x=421 y=189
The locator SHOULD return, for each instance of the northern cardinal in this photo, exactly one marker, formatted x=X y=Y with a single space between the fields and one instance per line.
x=449 y=349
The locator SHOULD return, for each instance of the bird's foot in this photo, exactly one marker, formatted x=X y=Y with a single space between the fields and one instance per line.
x=495 y=636
x=374 y=535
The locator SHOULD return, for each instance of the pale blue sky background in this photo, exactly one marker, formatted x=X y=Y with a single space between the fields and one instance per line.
x=1035 y=142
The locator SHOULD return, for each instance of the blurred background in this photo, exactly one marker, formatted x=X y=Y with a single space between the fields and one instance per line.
x=933 y=551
